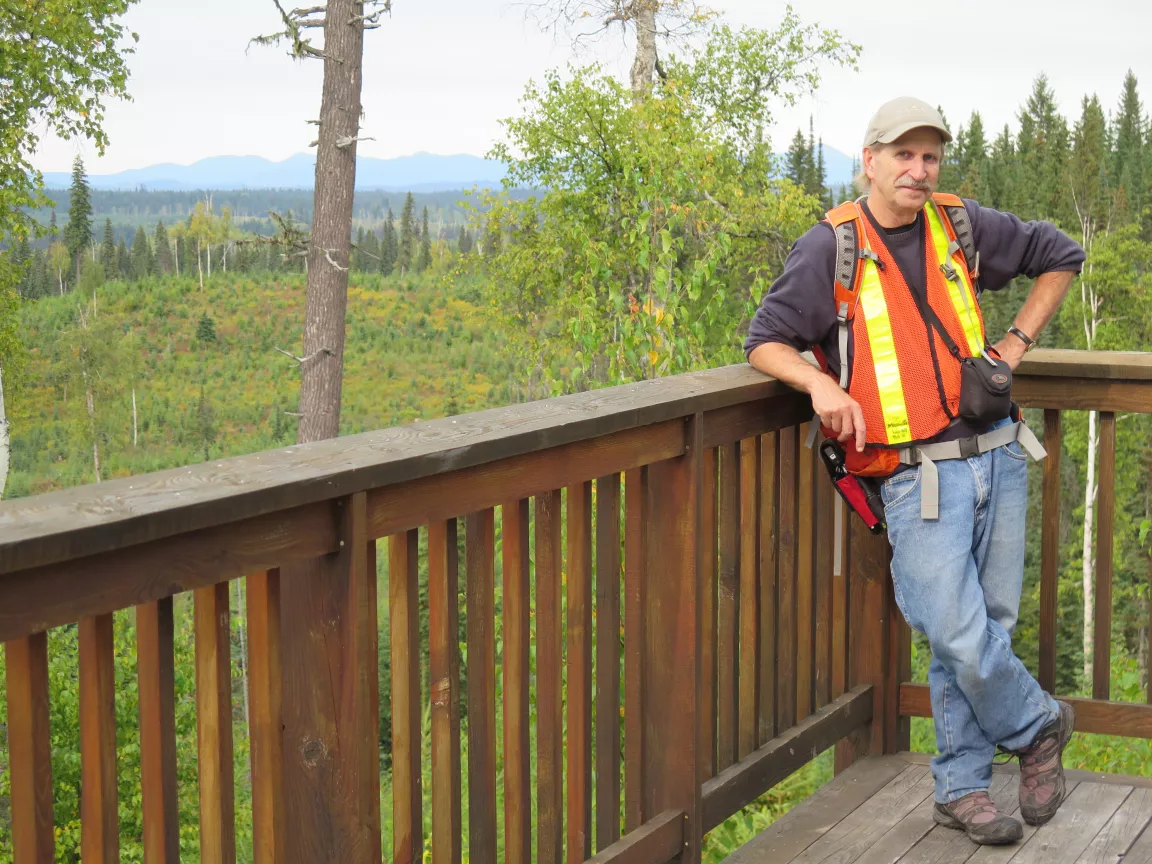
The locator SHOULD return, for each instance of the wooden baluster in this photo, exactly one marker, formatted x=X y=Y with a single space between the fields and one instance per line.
x=265 y=707
x=607 y=661
x=749 y=675
x=29 y=748
x=769 y=493
x=786 y=630
x=897 y=729
x=214 y=723
x=443 y=625
x=729 y=586
x=635 y=609
x=1106 y=507
x=1050 y=550
x=157 y=688
x=332 y=697
x=869 y=635
x=709 y=550
x=579 y=701
x=823 y=516
x=404 y=615
x=479 y=586
x=99 y=833
x=517 y=671
x=672 y=633
x=805 y=634
x=549 y=669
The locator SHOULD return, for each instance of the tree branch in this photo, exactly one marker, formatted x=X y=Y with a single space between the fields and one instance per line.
x=302 y=360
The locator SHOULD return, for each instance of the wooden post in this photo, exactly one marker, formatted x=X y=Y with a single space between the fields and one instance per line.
x=29 y=748
x=331 y=700
x=672 y=655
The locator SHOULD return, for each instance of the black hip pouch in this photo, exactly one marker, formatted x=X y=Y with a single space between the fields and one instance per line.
x=985 y=389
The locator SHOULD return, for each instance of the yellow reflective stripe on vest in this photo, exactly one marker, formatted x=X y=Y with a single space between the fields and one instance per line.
x=883 y=346
x=959 y=289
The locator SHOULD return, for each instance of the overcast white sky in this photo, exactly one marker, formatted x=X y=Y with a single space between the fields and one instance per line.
x=440 y=73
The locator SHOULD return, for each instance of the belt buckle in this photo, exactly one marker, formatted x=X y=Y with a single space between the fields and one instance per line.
x=969 y=446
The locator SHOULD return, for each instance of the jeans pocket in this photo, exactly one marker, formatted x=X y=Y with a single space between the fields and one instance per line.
x=899 y=486
x=1014 y=450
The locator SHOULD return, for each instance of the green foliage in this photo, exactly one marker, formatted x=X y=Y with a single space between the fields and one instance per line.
x=659 y=228
x=60 y=60
x=78 y=231
x=206 y=329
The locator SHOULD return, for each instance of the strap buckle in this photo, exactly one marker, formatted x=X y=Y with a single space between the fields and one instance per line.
x=949 y=271
x=969 y=446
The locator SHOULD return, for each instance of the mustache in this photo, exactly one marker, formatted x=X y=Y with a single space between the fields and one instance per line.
x=909 y=183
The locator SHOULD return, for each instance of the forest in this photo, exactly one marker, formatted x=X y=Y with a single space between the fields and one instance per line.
x=149 y=330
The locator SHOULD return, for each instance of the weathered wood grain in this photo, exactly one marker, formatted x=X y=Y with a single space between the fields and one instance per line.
x=157 y=689
x=99 y=831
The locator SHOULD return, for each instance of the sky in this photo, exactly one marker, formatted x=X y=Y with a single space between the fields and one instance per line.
x=440 y=74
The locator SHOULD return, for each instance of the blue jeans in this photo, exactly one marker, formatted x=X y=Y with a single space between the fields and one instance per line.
x=958 y=580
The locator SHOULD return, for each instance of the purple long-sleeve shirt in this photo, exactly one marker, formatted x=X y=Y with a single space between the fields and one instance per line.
x=799 y=309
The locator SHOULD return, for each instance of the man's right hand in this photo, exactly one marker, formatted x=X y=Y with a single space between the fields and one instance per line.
x=838 y=411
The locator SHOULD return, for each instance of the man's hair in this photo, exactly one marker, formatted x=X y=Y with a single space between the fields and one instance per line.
x=861 y=182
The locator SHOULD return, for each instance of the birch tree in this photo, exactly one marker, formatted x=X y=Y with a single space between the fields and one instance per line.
x=342 y=23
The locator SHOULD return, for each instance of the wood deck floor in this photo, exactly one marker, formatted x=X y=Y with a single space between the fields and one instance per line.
x=880 y=812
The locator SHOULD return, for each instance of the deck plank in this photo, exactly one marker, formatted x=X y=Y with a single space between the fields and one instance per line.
x=1141 y=851
x=948 y=846
x=1087 y=810
x=861 y=830
x=818 y=814
x=1114 y=839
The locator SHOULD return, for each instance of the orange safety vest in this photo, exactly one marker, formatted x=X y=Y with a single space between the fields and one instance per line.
x=901 y=371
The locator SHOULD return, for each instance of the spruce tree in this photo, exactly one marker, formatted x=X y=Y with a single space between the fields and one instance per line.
x=163 y=250
x=206 y=328
x=388 y=245
x=141 y=255
x=407 y=231
x=973 y=161
x=21 y=259
x=425 y=259
x=123 y=262
x=1128 y=157
x=1043 y=150
x=464 y=244
x=78 y=231
x=797 y=160
x=1002 y=171
x=108 y=250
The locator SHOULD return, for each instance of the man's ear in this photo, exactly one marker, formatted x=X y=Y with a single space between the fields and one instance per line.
x=867 y=159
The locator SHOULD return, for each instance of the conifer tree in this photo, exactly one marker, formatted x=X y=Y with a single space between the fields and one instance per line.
x=464 y=243
x=162 y=250
x=108 y=251
x=141 y=255
x=407 y=232
x=1042 y=146
x=425 y=259
x=388 y=245
x=1127 y=166
x=52 y=229
x=796 y=165
x=123 y=262
x=78 y=231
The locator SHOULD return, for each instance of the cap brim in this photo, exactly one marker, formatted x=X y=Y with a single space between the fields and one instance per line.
x=897 y=131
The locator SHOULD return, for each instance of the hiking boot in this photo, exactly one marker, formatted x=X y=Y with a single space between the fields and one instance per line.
x=976 y=815
x=1042 y=785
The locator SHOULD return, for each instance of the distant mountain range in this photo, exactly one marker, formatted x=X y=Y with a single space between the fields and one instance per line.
x=420 y=172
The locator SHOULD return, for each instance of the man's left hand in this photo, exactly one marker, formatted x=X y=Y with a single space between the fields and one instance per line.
x=1011 y=350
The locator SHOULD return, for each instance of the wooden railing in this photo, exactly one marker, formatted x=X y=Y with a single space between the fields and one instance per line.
x=676 y=529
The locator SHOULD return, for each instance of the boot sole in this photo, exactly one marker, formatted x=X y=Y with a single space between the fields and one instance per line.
x=1041 y=816
x=1012 y=830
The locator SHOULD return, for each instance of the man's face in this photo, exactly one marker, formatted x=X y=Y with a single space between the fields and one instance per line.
x=905 y=172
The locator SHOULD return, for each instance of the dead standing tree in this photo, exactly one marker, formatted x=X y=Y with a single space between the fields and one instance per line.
x=343 y=23
x=326 y=807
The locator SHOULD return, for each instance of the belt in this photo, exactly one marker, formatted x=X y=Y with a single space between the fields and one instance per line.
x=925 y=455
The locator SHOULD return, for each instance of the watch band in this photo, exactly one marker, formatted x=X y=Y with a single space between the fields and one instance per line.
x=1029 y=342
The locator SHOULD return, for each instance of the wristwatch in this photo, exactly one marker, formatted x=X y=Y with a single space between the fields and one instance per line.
x=1029 y=342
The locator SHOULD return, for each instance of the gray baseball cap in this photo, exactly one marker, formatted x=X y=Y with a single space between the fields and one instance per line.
x=901 y=115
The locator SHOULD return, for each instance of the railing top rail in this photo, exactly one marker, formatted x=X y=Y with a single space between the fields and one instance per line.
x=87 y=520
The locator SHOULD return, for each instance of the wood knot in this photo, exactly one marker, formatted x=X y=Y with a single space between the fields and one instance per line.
x=313 y=751
x=441 y=692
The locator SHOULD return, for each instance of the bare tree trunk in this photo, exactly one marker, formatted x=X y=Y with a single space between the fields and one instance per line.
x=1089 y=557
x=91 y=405
x=209 y=260
x=134 y=436
x=5 y=441
x=241 y=621
x=644 y=64
x=322 y=371
x=199 y=266
x=176 y=256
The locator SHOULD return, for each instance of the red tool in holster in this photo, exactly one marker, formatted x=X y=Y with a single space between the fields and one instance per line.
x=861 y=493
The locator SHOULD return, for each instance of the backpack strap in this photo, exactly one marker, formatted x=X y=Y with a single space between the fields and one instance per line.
x=849 y=250
x=959 y=226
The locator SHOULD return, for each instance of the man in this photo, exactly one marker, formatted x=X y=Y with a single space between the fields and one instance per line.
x=920 y=402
